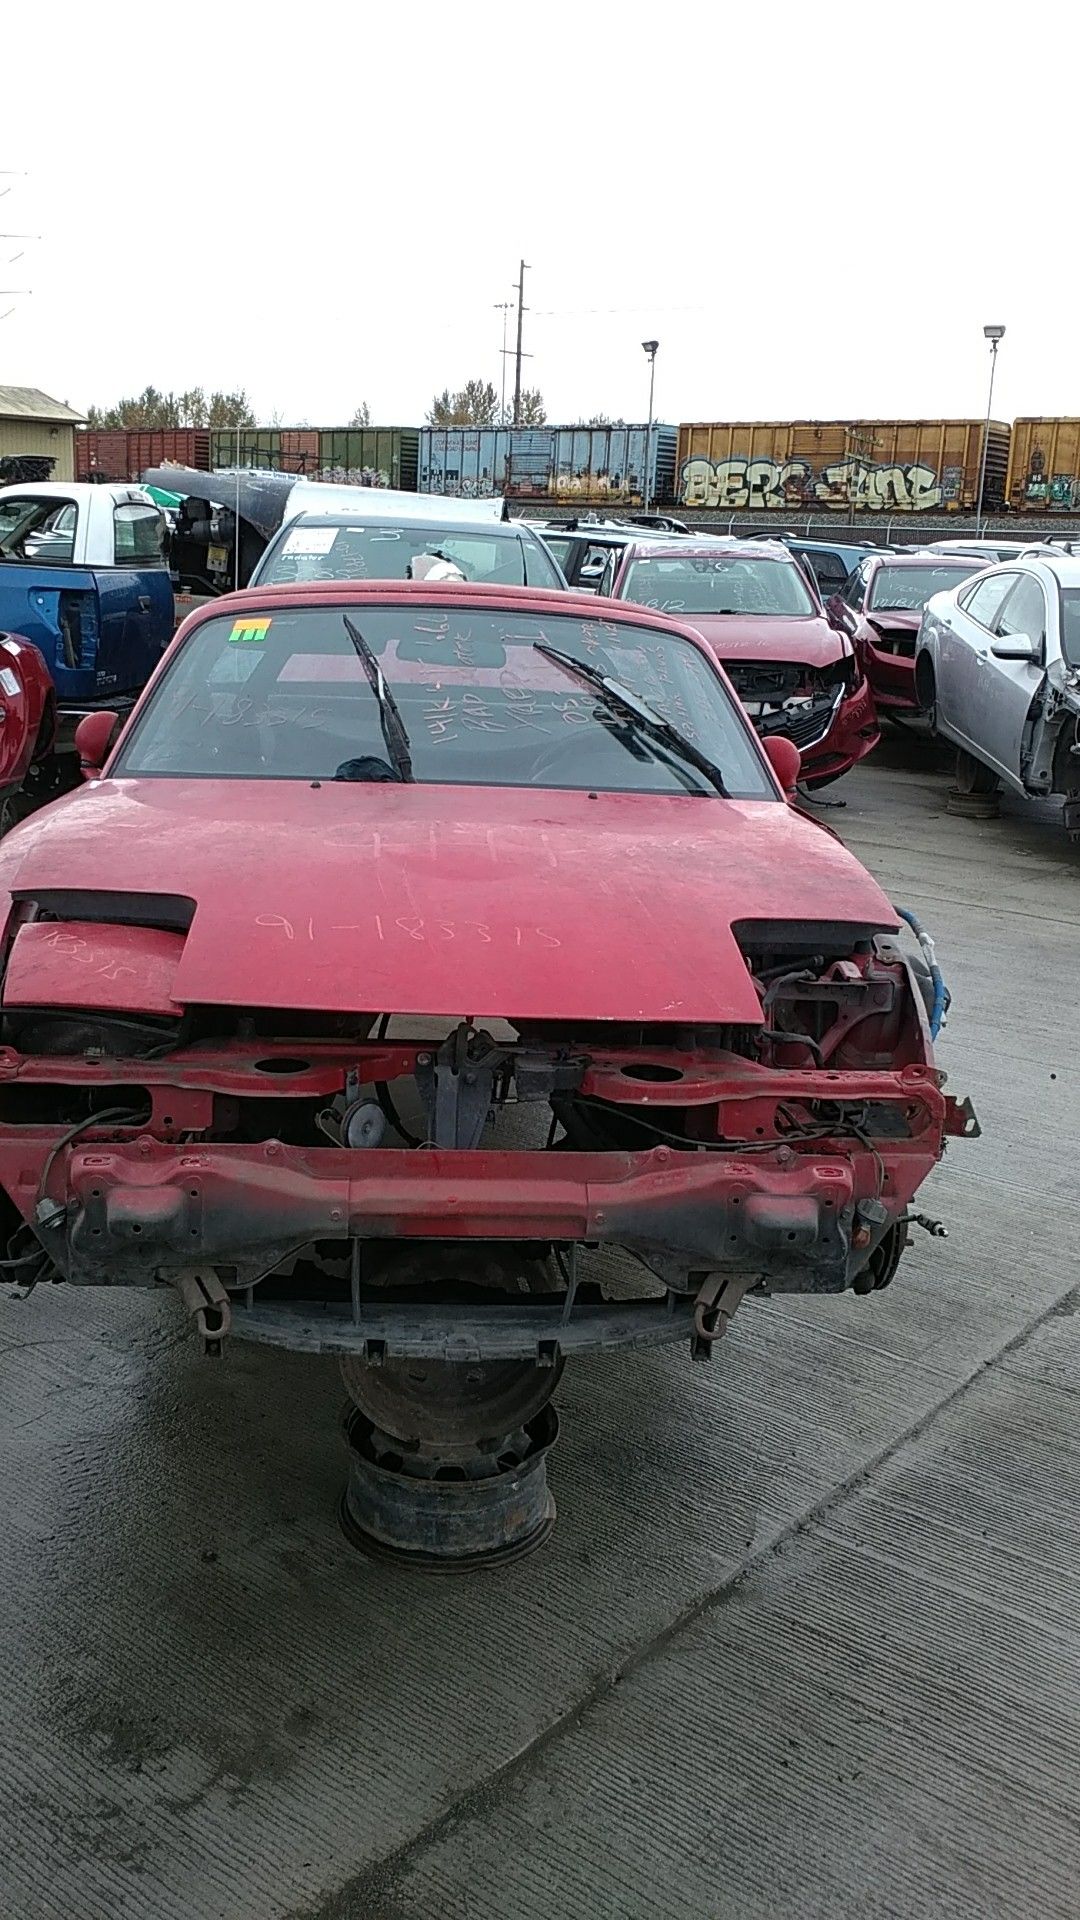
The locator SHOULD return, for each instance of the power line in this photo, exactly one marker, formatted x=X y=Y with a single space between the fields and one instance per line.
x=575 y=313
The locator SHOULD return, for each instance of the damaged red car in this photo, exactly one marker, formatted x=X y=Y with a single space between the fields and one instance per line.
x=413 y=947
x=881 y=605
x=793 y=667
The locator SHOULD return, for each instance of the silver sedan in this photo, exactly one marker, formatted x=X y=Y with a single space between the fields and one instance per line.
x=997 y=671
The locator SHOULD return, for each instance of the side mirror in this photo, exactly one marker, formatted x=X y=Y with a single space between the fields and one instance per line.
x=1019 y=648
x=839 y=615
x=92 y=737
x=785 y=760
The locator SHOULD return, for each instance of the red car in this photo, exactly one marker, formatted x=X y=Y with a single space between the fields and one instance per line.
x=409 y=945
x=881 y=604
x=27 y=727
x=795 y=671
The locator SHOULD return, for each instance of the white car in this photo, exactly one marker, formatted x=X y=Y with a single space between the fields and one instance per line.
x=986 y=550
x=997 y=671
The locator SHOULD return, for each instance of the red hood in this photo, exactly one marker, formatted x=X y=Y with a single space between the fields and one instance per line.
x=739 y=636
x=490 y=901
x=896 y=619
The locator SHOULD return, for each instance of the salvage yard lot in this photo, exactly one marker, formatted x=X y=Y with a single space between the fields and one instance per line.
x=804 y=1641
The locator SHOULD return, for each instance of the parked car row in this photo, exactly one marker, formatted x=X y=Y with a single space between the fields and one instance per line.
x=824 y=669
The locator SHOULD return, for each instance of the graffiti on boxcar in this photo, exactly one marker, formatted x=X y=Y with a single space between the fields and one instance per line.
x=883 y=487
x=352 y=476
x=602 y=486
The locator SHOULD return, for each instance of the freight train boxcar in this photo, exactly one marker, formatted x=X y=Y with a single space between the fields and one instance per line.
x=278 y=449
x=347 y=456
x=124 y=453
x=874 y=466
x=573 y=466
x=1044 y=466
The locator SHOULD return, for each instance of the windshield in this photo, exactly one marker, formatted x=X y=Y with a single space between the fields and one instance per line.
x=910 y=587
x=1070 y=625
x=718 y=583
x=288 y=696
x=312 y=552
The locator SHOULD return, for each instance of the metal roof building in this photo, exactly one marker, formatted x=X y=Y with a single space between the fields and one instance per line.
x=32 y=425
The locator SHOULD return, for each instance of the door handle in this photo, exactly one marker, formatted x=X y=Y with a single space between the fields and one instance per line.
x=144 y=603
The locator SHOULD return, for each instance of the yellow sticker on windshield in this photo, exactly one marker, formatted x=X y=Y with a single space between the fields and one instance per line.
x=248 y=632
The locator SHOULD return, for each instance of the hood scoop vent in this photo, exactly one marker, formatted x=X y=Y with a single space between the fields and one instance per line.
x=171 y=912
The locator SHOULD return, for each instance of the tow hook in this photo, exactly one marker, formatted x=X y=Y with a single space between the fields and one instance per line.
x=717 y=1300
x=935 y=1228
x=208 y=1305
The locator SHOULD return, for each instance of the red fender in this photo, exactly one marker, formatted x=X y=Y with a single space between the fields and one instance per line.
x=27 y=710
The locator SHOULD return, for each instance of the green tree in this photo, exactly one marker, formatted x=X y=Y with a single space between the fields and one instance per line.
x=601 y=420
x=362 y=416
x=476 y=404
x=533 y=410
x=229 y=410
x=192 y=408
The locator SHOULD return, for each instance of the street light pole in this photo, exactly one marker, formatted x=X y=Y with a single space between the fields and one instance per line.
x=994 y=335
x=649 y=347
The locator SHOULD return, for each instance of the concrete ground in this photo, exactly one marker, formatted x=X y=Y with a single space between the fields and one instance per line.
x=805 y=1641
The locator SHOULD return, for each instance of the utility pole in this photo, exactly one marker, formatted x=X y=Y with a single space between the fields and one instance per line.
x=503 y=307
x=518 y=354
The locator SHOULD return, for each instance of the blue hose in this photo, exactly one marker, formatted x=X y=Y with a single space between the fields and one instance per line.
x=942 y=996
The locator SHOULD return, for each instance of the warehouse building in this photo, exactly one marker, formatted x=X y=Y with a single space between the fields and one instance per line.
x=34 y=427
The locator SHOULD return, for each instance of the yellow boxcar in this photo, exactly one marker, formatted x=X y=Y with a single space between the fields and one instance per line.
x=1044 y=467
x=841 y=466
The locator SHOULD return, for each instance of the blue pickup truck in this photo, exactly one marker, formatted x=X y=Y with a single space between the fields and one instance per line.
x=84 y=578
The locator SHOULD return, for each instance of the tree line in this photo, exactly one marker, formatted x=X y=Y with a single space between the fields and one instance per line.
x=476 y=404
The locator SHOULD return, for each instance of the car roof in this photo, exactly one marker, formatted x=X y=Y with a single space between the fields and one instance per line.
x=1065 y=566
x=739 y=549
x=321 y=517
x=923 y=557
x=818 y=546
x=605 y=532
x=974 y=545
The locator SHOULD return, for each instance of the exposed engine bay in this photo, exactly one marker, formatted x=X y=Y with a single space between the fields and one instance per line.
x=327 y=1161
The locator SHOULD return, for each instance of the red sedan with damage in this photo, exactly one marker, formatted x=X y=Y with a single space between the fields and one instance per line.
x=881 y=605
x=410 y=947
x=796 y=672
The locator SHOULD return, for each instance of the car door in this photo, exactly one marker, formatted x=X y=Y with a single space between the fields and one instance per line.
x=963 y=632
x=44 y=595
x=1006 y=687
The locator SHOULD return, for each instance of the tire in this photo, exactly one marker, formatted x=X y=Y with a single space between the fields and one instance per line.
x=926 y=690
x=972 y=776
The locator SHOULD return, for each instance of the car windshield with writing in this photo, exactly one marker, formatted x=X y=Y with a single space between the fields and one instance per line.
x=719 y=583
x=903 y=589
x=295 y=695
x=330 y=550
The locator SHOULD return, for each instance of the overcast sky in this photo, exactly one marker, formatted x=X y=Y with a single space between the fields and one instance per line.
x=813 y=208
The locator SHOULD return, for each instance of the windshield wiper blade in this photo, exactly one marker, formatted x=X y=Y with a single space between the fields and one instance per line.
x=621 y=700
x=390 y=720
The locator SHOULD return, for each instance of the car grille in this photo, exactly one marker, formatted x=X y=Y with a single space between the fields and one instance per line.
x=786 y=697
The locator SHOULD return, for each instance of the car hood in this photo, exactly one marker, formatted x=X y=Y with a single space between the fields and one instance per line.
x=895 y=619
x=736 y=636
x=483 y=902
